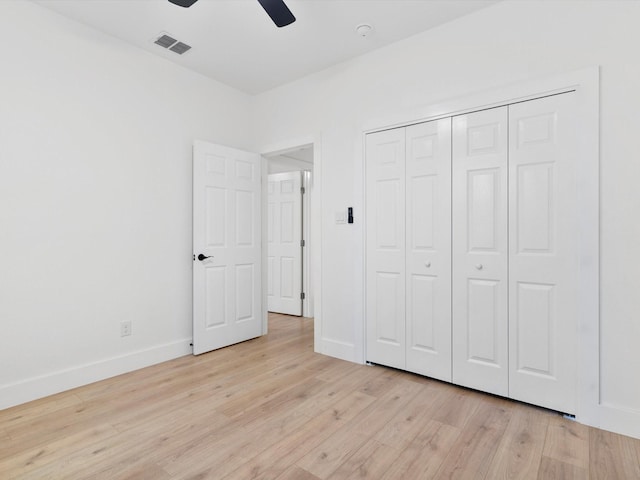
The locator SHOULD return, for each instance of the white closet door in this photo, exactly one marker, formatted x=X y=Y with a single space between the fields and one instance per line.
x=428 y=249
x=284 y=236
x=385 y=247
x=543 y=261
x=480 y=340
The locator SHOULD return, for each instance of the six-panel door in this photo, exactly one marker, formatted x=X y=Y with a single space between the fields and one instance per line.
x=227 y=285
x=284 y=248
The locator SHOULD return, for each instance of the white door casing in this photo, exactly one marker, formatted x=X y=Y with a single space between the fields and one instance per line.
x=480 y=349
x=385 y=248
x=227 y=287
x=543 y=252
x=284 y=236
x=428 y=249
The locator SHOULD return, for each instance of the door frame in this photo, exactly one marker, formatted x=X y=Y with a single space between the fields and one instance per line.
x=313 y=224
x=586 y=84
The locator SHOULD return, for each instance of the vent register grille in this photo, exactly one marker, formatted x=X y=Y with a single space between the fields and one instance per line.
x=172 y=44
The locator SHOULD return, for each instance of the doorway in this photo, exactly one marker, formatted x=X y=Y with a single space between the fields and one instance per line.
x=289 y=244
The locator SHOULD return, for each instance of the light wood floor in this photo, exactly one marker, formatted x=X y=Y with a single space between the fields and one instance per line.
x=271 y=408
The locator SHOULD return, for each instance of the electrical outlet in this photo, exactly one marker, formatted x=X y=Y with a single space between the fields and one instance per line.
x=125 y=329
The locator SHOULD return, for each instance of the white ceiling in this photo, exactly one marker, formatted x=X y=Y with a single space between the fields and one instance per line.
x=236 y=43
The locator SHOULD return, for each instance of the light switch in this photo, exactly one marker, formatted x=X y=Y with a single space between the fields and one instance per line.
x=341 y=217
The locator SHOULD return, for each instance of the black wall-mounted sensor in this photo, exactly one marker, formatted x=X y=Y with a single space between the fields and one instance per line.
x=350 y=215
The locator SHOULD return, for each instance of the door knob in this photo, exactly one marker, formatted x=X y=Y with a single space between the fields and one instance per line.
x=427 y=264
x=479 y=266
x=202 y=257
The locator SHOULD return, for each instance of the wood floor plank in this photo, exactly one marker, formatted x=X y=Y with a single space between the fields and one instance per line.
x=296 y=473
x=382 y=382
x=28 y=412
x=275 y=460
x=520 y=450
x=379 y=414
x=131 y=448
x=263 y=391
x=612 y=455
x=424 y=456
x=336 y=389
x=372 y=460
x=472 y=454
x=457 y=408
x=271 y=408
x=336 y=369
x=401 y=430
x=567 y=441
x=139 y=472
x=31 y=459
x=44 y=429
x=552 y=469
x=328 y=456
x=220 y=454
x=324 y=459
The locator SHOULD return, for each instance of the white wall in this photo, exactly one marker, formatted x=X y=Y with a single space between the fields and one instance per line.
x=95 y=200
x=510 y=42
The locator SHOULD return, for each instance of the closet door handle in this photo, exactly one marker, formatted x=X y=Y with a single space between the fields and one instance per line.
x=427 y=264
x=479 y=266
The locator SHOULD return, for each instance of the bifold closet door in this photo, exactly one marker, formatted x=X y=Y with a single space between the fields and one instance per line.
x=385 y=247
x=428 y=248
x=543 y=244
x=480 y=337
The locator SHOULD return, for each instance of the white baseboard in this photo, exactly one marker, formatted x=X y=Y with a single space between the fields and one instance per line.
x=60 y=381
x=335 y=348
x=613 y=418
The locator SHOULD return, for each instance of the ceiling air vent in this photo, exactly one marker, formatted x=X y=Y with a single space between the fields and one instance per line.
x=167 y=41
x=180 y=48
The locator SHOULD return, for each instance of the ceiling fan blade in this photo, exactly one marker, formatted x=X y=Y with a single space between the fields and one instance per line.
x=183 y=3
x=278 y=11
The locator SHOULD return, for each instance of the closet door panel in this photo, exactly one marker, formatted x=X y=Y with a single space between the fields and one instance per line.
x=480 y=335
x=428 y=249
x=543 y=255
x=385 y=248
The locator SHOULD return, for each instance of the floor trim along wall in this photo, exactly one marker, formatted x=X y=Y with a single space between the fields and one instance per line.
x=45 y=385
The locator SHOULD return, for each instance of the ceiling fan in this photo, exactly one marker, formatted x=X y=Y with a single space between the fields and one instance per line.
x=277 y=10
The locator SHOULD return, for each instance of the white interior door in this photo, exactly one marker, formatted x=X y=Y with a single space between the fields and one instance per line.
x=385 y=247
x=227 y=237
x=284 y=237
x=480 y=345
x=543 y=262
x=428 y=248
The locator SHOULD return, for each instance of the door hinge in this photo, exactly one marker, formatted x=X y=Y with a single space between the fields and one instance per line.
x=302 y=296
x=302 y=243
x=302 y=190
